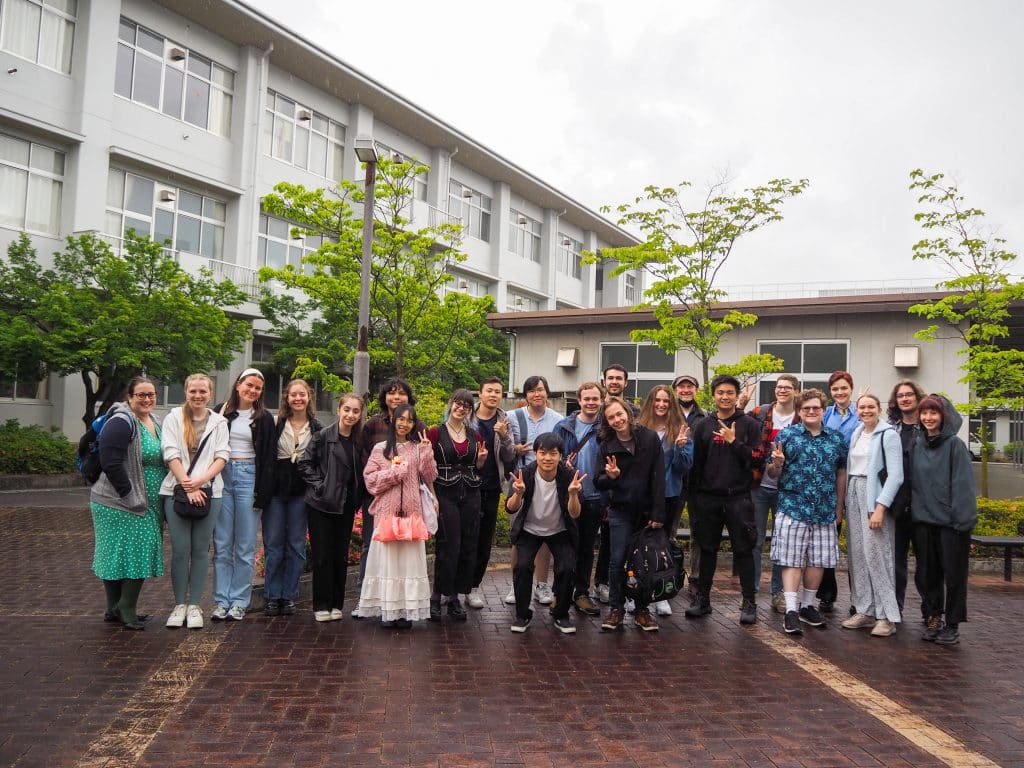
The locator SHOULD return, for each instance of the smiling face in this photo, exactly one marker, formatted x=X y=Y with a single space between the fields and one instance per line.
x=142 y=399
x=614 y=382
x=686 y=391
x=725 y=396
x=868 y=412
x=784 y=392
x=298 y=397
x=490 y=395
x=662 y=402
x=931 y=420
x=349 y=411
x=537 y=397
x=547 y=460
x=394 y=398
x=907 y=401
x=249 y=390
x=811 y=412
x=841 y=392
x=403 y=426
x=590 y=403
x=198 y=393
x=615 y=416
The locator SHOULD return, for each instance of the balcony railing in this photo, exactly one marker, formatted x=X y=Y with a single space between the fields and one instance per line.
x=436 y=217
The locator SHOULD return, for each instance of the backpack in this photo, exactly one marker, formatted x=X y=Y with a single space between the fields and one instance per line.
x=87 y=458
x=653 y=570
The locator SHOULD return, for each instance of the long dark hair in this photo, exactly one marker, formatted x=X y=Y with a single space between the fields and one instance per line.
x=391 y=443
x=893 y=412
x=232 y=402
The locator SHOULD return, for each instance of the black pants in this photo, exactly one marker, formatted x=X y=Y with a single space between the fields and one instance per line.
x=329 y=537
x=604 y=554
x=828 y=590
x=592 y=510
x=736 y=513
x=673 y=514
x=458 y=526
x=562 y=552
x=485 y=539
x=904 y=536
x=941 y=576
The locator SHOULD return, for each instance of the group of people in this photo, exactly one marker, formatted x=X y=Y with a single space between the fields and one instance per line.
x=574 y=485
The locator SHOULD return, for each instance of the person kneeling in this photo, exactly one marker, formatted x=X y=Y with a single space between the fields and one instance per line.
x=545 y=502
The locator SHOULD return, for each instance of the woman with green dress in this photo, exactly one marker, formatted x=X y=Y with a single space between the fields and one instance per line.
x=126 y=503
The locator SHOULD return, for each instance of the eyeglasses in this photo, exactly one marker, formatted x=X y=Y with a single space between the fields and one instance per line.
x=906 y=396
x=811 y=409
x=782 y=387
x=145 y=395
x=464 y=406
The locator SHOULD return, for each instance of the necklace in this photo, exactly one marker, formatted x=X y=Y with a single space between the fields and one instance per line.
x=459 y=432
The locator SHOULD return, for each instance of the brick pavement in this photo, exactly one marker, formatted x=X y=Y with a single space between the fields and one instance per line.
x=288 y=691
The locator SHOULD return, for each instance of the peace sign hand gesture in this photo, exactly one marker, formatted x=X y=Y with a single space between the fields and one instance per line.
x=518 y=484
x=577 y=483
x=684 y=435
x=778 y=455
x=726 y=432
x=611 y=467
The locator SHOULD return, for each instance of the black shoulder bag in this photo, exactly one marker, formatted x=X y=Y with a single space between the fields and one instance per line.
x=183 y=506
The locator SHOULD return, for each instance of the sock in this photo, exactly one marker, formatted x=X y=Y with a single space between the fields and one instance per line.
x=113 y=592
x=130 y=589
x=792 y=601
x=809 y=596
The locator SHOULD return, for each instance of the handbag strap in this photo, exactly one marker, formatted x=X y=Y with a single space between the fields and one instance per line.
x=199 y=450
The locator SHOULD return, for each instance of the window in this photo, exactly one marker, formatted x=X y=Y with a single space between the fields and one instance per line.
x=299 y=136
x=25 y=387
x=42 y=31
x=647 y=365
x=523 y=235
x=812 y=362
x=419 y=180
x=466 y=284
x=276 y=246
x=517 y=302
x=31 y=183
x=570 y=256
x=629 y=294
x=187 y=220
x=474 y=208
x=153 y=71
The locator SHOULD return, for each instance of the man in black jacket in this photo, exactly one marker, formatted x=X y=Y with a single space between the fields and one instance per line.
x=727 y=446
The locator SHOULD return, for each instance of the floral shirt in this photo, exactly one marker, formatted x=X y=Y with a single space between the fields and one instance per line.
x=807 y=485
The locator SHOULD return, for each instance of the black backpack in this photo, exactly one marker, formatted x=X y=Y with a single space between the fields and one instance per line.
x=653 y=570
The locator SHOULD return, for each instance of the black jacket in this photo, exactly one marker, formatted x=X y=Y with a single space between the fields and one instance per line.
x=639 y=490
x=264 y=439
x=287 y=479
x=563 y=477
x=721 y=468
x=332 y=467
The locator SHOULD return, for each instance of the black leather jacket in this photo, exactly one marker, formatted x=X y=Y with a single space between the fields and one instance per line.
x=332 y=467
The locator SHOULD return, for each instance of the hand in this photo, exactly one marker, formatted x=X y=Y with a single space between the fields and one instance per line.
x=778 y=455
x=197 y=497
x=570 y=460
x=877 y=517
x=518 y=484
x=481 y=453
x=862 y=392
x=501 y=427
x=744 y=398
x=522 y=449
x=190 y=484
x=611 y=467
x=577 y=483
x=726 y=432
x=839 y=514
x=684 y=435
x=424 y=440
x=655 y=525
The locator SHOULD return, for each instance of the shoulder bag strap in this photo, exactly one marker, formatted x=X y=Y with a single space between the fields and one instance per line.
x=199 y=450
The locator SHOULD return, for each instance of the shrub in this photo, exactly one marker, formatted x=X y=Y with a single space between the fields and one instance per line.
x=33 y=450
x=503 y=529
x=999 y=517
x=1012 y=448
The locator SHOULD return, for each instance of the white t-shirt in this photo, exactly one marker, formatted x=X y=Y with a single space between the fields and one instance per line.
x=857 y=460
x=544 y=517
x=240 y=437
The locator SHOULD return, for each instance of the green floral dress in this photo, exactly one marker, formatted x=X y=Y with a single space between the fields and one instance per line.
x=129 y=546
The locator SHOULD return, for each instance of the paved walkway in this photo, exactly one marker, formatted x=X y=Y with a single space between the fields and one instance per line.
x=287 y=691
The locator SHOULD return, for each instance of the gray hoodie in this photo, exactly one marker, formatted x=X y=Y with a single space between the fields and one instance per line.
x=103 y=491
x=943 y=481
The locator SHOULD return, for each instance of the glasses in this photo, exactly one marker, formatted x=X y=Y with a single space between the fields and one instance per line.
x=463 y=406
x=145 y=395
x=811 y=409
x=906 y=396
x=782 y=387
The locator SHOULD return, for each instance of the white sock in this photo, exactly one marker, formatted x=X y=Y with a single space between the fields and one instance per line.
x=792 y=601
x=809 y=596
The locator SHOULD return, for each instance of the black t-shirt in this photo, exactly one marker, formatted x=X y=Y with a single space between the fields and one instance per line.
x=489 y=480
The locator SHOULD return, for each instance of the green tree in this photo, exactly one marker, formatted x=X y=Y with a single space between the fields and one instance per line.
x=108 y=317
x=977 y=309
x=413 y=333
x=683 y=252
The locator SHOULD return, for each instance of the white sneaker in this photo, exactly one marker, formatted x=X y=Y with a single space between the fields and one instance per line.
x=542 y=593
x=195 y=617
x=177 y=617
x=475 y=598
x=602 y=593
x=510 y=598
x=321 y=615
x=219 y=613
x=337 y=614
x=236 y=613
x=663 y=608
x=629 y=606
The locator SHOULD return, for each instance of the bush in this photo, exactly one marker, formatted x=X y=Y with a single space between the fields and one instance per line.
x=999 y=517
x=503 y=529
x=34 y=451
x=1011 y=449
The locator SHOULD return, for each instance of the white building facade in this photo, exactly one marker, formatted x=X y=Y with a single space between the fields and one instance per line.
x=175 y=118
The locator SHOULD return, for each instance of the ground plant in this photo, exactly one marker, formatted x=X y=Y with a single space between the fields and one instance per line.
x=32 y=450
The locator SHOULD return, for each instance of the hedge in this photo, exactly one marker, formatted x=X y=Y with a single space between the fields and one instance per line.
x=33 y=450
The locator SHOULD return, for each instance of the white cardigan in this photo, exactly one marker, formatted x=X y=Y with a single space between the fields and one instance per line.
x=173 y=445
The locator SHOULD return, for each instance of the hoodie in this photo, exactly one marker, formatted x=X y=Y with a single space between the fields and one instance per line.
x=942 y=478
x=886 y=453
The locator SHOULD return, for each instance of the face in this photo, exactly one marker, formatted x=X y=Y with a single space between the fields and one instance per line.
x=906 y=399
x=537 y=397
x=811 y=413
x=460 y=410
x=198 y=393
x=686 y=391
x=395 y=398
x=868 y=411
x=403 y=426
x=590 y=402
x=931 y=420
x=143 y=399
x=349 y=412
x=784 y=391
x=617 y=419
x=841 y=392
x=615 y=382
x=661 y=403
x=249 y=390
x=547 y=459
x=490 y=395
x=725 y=396
x=298 y=398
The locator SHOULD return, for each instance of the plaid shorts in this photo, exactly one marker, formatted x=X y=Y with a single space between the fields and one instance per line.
x=793 y=541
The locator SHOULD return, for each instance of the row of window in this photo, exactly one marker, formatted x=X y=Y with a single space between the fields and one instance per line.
x=31 y=184
x=42 y=31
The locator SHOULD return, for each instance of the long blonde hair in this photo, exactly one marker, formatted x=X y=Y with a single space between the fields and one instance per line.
x=673 y=419
x=191 y=438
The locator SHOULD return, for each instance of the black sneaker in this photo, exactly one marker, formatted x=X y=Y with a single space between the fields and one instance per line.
x=565 y=626
x=455 y=609
x=701 y=606
x=272 y=608
x=287 y=607
x=435 y=609
x=520 y=625
x=810 y=615
x=948 y=635
x=933 y=625
x=748 y=612
x=791 y=623
x=826 y=606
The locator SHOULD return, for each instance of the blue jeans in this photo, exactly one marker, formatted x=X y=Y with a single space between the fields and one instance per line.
x=234 y=537
x=764 y=500
x=620 y=534
x=284 y=542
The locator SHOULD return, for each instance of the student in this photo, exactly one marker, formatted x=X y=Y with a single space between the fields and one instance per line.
x=809 y=459
x=545 y=504
x=686 y=388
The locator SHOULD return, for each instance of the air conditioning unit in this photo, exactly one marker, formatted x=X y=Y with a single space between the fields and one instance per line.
x=168 y=195
x=568 y=357
x=906 y=356
x=177 y=54
x=304 y=115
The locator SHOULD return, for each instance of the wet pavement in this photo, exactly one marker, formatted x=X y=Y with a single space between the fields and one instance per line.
x=76 y=691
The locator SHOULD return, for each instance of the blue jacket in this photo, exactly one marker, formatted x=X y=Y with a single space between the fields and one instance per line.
x=566 y=429
x=883 y=439
x=677 y=466
x=844 y=424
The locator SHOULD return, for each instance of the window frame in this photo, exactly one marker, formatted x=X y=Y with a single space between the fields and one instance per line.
x=45 y=7
x=333 y=136
x=30 y=171
x=524 y=239
x=472 y=210
x=570 y=257
x=640 y=382
x=807 y=378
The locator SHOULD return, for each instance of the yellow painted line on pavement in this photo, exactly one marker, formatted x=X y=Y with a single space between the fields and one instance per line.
x=914 y=728
x=125 y=740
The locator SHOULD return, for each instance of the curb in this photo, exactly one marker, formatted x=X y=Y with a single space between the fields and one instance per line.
x=41 y=482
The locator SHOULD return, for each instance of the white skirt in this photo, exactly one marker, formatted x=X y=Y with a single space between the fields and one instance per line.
x=396 y=585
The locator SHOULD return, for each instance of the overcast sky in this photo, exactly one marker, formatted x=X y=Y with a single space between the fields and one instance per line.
x=602 y=98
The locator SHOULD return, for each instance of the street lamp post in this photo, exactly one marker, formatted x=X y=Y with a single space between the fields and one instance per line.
x=366 y=151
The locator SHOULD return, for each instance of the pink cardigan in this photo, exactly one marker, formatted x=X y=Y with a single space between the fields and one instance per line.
x=396 y=486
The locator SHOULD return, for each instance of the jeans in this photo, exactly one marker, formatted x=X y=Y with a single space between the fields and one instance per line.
x=603 y=554
x=620 y=534
x=591 y=512
x=764 y=501
x=485 y=538
x=234 y=537
x=527 y=546
x=284 y=542
x=190 y=550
